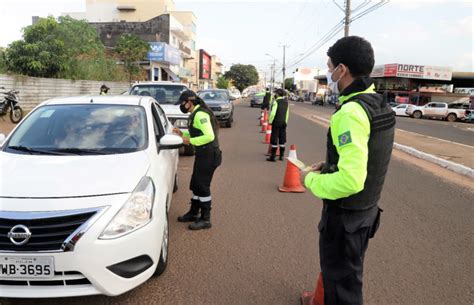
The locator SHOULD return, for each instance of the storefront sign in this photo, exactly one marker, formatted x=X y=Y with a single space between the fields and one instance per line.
x=160 y=51
x=412 y=71
x=204 y=65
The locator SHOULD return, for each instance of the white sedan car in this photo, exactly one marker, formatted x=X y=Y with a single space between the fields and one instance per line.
x=400 y=110
x=85 y=188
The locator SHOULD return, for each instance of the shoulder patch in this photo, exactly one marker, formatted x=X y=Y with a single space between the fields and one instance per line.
x=203 y=120
x=344 y=138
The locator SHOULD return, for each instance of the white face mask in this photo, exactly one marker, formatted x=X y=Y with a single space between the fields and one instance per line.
x=333 y=85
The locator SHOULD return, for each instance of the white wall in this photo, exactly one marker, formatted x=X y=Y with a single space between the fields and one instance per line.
x=34 y=90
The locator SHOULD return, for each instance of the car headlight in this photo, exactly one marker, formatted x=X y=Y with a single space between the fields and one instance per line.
x=135 y=213
x=181 y=123
x=225 y=107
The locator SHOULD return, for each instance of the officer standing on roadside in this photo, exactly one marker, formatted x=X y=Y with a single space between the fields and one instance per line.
x=202 y=135
x=350 y=181
x=279 y=120
x=104 y=89
x=266 y=100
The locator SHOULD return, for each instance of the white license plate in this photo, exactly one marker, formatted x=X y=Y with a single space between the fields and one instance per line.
x=26 y=267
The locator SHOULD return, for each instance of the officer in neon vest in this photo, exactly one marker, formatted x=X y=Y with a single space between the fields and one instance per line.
x=350 y=181
x=202 y=135
x=279 y=120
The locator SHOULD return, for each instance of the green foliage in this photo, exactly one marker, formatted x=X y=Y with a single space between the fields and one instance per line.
x=131 y=49
x=289 y=83
x=3 y=63
x=222 y=83
x=40 y=53
x=242 y=76
x=68 y=49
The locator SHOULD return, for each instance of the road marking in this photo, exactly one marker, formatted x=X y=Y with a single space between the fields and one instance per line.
x=438 y=139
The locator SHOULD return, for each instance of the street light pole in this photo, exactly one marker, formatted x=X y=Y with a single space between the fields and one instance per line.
x=284 y=67
x=347 y=19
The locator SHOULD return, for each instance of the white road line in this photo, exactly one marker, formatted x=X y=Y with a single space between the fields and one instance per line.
x=438 y=139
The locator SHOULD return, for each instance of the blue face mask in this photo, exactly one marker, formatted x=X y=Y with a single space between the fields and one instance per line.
x=333 y=85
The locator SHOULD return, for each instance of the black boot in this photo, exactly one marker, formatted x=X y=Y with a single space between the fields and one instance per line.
x=192 y=214
x=282 y=153
x=205 y=221
x=273 y=155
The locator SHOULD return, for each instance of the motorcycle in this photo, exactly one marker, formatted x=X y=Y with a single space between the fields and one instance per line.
x=10 y=102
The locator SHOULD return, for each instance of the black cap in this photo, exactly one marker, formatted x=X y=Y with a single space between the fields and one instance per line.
x=281 y=92
x=104 y=87
x=188 y=95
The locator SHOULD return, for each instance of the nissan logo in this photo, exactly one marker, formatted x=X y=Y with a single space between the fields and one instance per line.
x=19 y=235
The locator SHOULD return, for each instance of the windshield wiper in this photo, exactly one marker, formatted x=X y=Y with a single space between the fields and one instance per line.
x=80 y=151
x=34 y=150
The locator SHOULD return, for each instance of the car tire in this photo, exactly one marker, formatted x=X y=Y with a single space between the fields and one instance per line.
x=417 y=115
x=163 y=260
x=451 y=117
x=175 y=185
x=228 y=124
x=188 y=150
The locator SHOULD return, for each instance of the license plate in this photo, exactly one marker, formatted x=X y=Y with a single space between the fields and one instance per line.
x=26 y=267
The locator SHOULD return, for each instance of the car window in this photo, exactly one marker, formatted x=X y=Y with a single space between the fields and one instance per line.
x=162 y=116
x=162 y=93
x=213 y=95
x=107 y=129
x=157 y=126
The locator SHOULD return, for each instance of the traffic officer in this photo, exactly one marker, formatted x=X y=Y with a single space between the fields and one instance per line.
x=202 y=135
x=350 y=181
x=279 y=120
x=266 y=100
x=104 y=89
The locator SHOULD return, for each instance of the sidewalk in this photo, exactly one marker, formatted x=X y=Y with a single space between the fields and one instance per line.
x=443 y=149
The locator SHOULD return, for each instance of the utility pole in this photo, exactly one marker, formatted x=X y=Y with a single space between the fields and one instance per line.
x=284 y=67
x=347 y=19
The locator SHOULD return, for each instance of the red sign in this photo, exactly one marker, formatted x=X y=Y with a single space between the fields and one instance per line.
x=204 y=65
x=390 y=70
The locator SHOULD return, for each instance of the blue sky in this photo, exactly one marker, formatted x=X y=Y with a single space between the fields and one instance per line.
x=429 y=32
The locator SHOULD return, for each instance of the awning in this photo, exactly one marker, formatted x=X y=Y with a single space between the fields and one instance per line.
x=171 y=74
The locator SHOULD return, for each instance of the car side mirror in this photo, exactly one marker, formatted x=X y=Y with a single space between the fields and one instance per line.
x=2 y=139
x=170 y=141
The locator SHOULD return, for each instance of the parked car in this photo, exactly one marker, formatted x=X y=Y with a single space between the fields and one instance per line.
x=256 y=100
x=400 y=110
x=86 y=189
x=436 y=110
x=220 y=103
x=235 y=94
x=167 y=95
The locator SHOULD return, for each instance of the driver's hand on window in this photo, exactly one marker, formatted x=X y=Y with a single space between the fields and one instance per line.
x=178 y=131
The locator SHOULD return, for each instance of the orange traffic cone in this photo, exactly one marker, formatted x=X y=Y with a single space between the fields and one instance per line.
x=316 y=297
x=269 y=152
x=291 y=183
x=261 y=118
x=264 y=121
x=268 y=134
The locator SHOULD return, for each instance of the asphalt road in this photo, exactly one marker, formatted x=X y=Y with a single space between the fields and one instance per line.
x=459 y=132
x=263 y=249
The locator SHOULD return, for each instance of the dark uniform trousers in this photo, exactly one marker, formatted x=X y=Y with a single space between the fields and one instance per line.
x=343 y=240
x=206 y=161
x=278 y=134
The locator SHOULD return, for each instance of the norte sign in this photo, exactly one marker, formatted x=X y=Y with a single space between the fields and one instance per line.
x=412 y=71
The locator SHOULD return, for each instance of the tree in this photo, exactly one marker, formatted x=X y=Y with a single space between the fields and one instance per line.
x=131 y=49
x=222 y=83
x=289 y=83
x=40 y=53
x=242 y=76
x=3 y=62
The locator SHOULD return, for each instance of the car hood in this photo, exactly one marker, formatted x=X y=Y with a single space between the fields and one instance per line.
x=40 y=176
x=173 y=110
x=216 y=102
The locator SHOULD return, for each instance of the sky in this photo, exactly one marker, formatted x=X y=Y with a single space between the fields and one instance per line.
x=422 y=32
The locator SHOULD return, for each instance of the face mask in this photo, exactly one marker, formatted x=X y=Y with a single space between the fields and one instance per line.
x=333 y=84
x=183 y=108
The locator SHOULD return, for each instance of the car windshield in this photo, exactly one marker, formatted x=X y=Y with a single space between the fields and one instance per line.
x=81 y=129
x=162 y=93
x=213 y=95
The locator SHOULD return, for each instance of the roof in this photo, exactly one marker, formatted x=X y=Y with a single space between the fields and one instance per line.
x=100 y=99
x=159 y=83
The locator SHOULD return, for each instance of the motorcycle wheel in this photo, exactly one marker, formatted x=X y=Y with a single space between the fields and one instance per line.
x=16 y=114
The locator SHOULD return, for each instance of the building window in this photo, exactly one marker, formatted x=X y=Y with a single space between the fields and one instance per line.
x=193 y=45
x=193 y=27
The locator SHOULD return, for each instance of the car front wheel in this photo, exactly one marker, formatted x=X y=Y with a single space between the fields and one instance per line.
x=163 y=261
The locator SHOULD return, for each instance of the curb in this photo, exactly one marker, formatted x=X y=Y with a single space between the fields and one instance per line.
x=455 y=167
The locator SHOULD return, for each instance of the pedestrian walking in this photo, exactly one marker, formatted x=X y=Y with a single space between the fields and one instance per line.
x=104 y=89
x=203 y=135
x=350 y=181
x=279 y=120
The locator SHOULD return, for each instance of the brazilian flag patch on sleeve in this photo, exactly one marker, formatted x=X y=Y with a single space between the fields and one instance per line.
x=203 y=121
x=345 y=138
